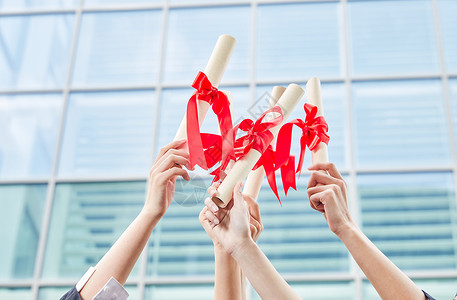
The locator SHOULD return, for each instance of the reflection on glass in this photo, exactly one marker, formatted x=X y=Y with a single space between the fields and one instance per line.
x=178 y=292
x=322 y=290
x=448 y=9
x=453 y=92
x=15 y=293
x=296 y=238
x=52 y=292
x=298 y=40
x=34 y=50
x=180 y=246
x=411 y=218
x=87 y=218
x=333 y=95
x=392 y=37
x=108 y=134
x=29 y=126
x=118 y=48
x=21 y=213
x=192 y=34
x=437 y=288
x=40 y=4
x=400 y=124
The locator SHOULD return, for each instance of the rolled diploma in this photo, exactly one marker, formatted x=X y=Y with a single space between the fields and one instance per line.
x=255 y=177
x=313 y=91
x=214 y=70
x=241 y=169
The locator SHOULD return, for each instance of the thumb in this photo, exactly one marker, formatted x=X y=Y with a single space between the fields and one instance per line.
x=237 y=196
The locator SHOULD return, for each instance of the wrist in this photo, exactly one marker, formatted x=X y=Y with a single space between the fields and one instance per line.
x=152 y=216
x=242 y=247
x=347 y=230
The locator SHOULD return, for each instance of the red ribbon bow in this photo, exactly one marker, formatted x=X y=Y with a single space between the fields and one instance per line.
x=220 y=104
x=314 y=131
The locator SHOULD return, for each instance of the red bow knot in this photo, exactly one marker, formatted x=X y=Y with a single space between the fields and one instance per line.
x=220 y=104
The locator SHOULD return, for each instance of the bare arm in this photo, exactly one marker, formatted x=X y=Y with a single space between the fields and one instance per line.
x=120 y=259
x=234 y=235
x=327 y=193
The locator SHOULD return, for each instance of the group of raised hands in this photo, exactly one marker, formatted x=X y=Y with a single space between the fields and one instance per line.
x=234 y=231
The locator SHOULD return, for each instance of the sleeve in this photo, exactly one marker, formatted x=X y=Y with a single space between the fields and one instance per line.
x=112 y=290
x=71 y=295
x=428 y=296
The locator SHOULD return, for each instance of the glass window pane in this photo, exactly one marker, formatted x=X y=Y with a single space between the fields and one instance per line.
x=181 y=246
x=437 y=288
x=296 y=238
x=411 y=217
x=448 y=11
x=108 y=133
x=178 y=292
x=53 y=292
x=21 y=213
x=296 y=41
x=35 y=50
x=29 y=127
x=118 y=48
x=87 y=218
x=322 y=290
x=453 y=92
x=34 y=4
x=392 y=37
x=333 y=95
x=129 y=3
x=192 y=34
x=400 y=124
x=15 y=293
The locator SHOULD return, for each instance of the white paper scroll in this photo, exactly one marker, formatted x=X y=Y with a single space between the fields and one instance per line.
x=313 y=91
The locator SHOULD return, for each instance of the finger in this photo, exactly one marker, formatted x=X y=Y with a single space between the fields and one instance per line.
x=253 y=206
x=173 y=145
x=212 y=190
x=237 y=196
x=321 y=178
x=211 y=205
x=201 y=216
x=317 y=201
x=173 y=157
x=211 y=217
x=174 y=171
x=316 y=189
x=329 y=167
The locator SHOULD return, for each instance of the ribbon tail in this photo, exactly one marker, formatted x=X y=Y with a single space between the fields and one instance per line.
x=194 y=140
x=270 y=172
x=288 y=175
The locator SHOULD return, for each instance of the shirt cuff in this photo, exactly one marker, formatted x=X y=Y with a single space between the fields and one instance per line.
x=112 y=290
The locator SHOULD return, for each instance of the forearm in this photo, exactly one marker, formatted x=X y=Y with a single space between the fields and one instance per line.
x=120 y=259
x=261 y=273
x=388 y=280
x=227 y=281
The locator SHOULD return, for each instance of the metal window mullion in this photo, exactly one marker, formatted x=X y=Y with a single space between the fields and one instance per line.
x=52 y=181
x=350 y=144
x=448 y=114
x=157 y=229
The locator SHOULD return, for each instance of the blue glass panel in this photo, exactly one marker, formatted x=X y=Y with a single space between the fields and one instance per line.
x=411 y=217
x=36 y=4
x=118 y=48
x=400 y=124
x=192 y=34
x=15 y=293
x=296 y=41
x=29 y=127
x=448 y=11
x=178 y=292
x=129 y=3
x=52 y=292
x=108 y=133
x=21 y=213
x=392 y=37
x=35 y=50
x=296 y=238
x=453 y=93
x=87 y=219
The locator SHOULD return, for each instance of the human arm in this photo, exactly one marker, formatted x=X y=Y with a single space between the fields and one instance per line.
x=327 y=193
x=233 y=233
x=122 y=256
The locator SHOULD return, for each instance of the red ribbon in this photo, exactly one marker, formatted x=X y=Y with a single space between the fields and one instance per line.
x=314 y=131
x=219 y=102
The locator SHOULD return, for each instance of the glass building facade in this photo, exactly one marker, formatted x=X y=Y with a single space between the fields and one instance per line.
x=91 y=89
